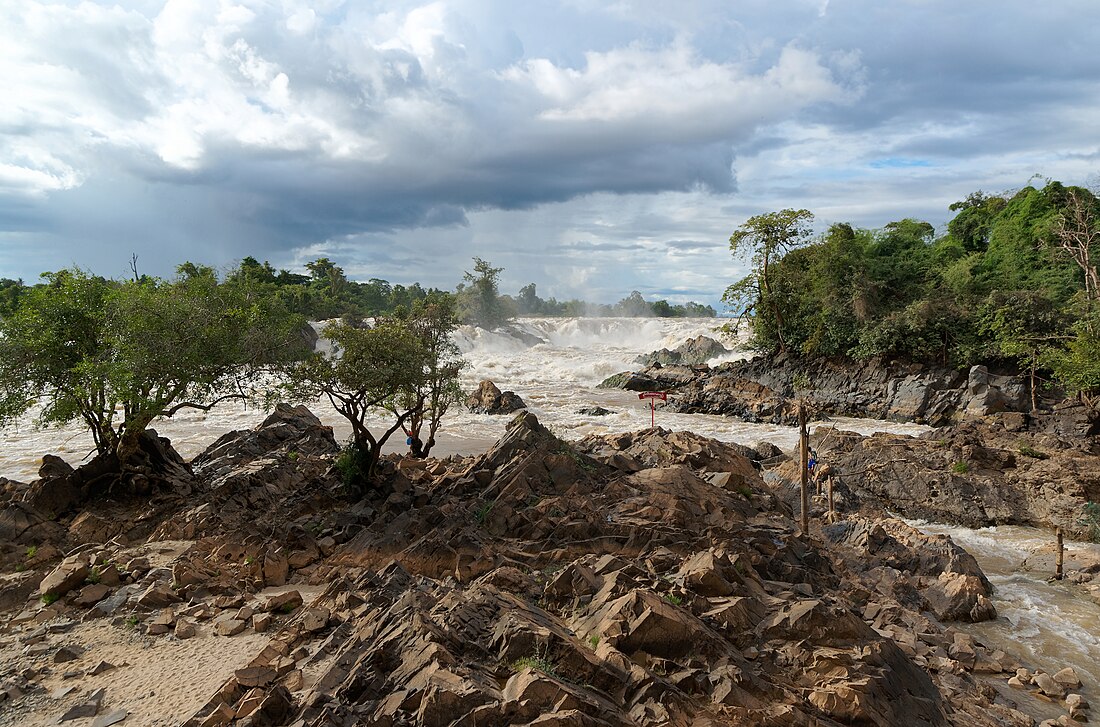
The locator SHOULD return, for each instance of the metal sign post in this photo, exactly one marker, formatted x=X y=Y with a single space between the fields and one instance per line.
x=653 y=396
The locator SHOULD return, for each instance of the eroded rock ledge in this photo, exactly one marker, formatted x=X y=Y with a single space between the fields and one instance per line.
x=765 y=389
x=643 y=579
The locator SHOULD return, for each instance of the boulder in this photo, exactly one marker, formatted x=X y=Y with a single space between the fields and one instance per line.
x=92 y=594
x=283 y=602
x=1067 y=677
x=315 y=619
x=488 y=399
x=229 y=627
x=696 y=350
x=22 y=524
x=157 y=596
x=68 y=575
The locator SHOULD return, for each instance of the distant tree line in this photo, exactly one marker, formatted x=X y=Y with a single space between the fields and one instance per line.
x=115 y=355
x=1012 y=282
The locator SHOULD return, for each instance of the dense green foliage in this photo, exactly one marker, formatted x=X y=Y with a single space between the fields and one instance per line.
x=404 y=365
x=432 y=320
x=479 y=299
x=528 y=303
x=1010 y=283
x=327 y=292
x=117 y=354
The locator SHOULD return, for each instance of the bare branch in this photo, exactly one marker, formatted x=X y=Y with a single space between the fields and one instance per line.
x=201 y=407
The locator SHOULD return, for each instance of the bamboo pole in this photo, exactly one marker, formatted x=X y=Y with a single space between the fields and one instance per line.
x=1060 y=553
x=804 y=446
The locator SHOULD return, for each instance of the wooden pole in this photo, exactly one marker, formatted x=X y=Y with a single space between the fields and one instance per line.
x=829 y=489
x=804 y=446
x=1061 y=551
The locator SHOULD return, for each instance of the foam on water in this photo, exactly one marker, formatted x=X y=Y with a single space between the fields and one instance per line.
x=559 y=376
x=556 y=378
x=1043 y=622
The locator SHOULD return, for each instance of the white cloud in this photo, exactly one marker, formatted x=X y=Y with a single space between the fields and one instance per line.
x=563 y=137
x=673 y=91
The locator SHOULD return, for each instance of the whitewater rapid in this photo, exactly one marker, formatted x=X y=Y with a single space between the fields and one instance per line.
x=556 y=378
x=1043 y=623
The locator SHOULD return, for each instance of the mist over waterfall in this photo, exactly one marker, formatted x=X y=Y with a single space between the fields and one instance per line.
x=554 y=364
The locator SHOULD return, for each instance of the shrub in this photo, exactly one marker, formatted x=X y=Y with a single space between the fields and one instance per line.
x=1090 y=520
x=1029 y=451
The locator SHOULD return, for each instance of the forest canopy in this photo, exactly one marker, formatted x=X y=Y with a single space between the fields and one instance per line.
x=1011 y=282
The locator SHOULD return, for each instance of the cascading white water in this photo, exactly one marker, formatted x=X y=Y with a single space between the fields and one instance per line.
x=559 y=376
x=1043 y=622
x=555 y=378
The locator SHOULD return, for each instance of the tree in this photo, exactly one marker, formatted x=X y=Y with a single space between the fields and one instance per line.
x=10 y=291
x=479 y=302
x=329 y=275
x=118 y=354
x=633 y=306
x=1077 y=366
x=432 y=320
x=1026 y=326
x=528 y=302
x=370 y=369
x=768 y=237
x=1077 y=232
x=971 y=226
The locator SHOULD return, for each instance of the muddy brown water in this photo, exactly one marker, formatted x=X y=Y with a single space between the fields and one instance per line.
x=1045 y=624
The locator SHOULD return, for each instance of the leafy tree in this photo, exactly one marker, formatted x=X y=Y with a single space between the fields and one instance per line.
x=479 y=299
x=329 y=275
x=970 y=228
x=528 y=302
x=1026 y=326
x=10 y=292
x=768 y=237
x=118 y=354
x=432 y=320
x=633 y=306
x=1077 y=233
x=370 y=370
x=1077 y=365
x=254 y=271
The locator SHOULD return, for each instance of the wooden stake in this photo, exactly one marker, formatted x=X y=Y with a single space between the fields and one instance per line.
x=804 y=446
x=829 y=489
x=1061 y=551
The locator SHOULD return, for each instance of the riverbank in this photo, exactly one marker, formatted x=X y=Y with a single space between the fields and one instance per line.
x=639 y=578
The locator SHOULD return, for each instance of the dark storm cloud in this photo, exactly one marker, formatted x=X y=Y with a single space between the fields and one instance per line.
x=549 y=138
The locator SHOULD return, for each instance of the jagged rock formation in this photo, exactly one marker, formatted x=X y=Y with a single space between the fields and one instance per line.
x=488 y=399
x=764 y=390
x=645 y=579
x=974 y=474
x=696 y=350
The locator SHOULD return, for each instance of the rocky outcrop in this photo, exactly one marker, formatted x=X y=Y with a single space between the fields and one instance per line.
x=645 y=579
x=488 y=399
x=973 y=474
x=765 y=389
x=254 y=478
x=926 y=573
x=696 y=350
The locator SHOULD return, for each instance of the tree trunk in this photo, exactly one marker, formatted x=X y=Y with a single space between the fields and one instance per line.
x=1034 y=394
x=804 y=456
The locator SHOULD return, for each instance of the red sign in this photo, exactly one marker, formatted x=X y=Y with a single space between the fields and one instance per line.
x=651 y=395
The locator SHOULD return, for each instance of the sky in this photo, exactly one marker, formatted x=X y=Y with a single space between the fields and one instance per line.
x=593 y=148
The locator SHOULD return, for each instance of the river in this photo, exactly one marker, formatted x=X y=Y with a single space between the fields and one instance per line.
x=1041 y=623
